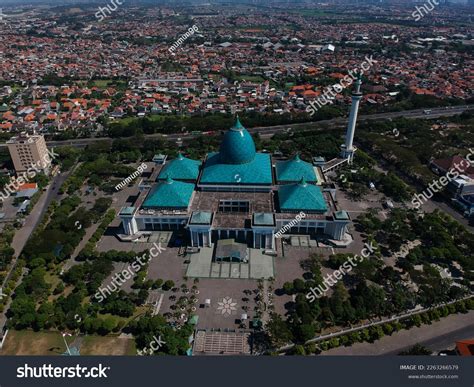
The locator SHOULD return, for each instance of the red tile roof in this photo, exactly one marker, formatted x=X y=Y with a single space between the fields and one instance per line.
x=465 y=347
x=447 y=164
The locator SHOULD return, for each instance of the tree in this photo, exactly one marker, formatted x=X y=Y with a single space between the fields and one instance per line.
x=299 y=285
x=168 y=285
x=147 y=329
x=298 y=350
x=376 y=332
x=304 y=332
x=288 y=288
x=278 y=331
x=416 y=350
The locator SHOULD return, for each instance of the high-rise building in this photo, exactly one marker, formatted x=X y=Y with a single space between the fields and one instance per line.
x=28 y=151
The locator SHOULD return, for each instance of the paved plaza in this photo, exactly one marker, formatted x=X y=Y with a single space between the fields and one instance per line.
x=203 y=266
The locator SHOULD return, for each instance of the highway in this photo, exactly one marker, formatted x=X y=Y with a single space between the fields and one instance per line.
x=269 y=131
x=443 y=341
x=342 y=121
x=438 y=336
x=418 y=310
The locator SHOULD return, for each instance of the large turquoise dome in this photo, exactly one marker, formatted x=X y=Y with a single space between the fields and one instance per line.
x=237 y=147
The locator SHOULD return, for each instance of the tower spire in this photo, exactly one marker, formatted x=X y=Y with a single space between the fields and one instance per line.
x=348 y=148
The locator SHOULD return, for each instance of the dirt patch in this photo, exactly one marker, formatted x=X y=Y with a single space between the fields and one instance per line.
x=110 y=346
x=33 y=343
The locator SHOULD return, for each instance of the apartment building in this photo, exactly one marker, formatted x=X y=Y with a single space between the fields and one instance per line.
x=28 y=150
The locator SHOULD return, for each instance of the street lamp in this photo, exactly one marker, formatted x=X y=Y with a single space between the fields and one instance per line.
x=65 y=342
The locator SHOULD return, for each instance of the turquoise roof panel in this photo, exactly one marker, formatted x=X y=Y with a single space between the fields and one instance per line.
x=169 y=194
x=180 y=168
x=237 y=146
x=263 y=219
x=201 y=217
x=341 y=215
x=301 y=197
x=127 y=210
x=258 y=171
x=294 y=170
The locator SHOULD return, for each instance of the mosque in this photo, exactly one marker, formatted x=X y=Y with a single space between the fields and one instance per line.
x=238 y=193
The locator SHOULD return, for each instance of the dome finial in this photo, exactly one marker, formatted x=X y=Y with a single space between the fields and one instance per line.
x=238 y=125
x=169 y=180
x=180 y=156
x=303 y=182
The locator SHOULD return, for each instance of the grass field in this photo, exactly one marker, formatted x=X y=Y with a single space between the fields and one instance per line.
x=111 y=346
x=102 y=83
x=33 y=343
x=128 y=120
x=250 y=78
x=51 y=343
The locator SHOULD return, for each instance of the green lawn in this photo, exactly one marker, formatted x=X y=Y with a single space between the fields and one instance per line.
x=128 y=120
x=101 y=83
x=250 y=78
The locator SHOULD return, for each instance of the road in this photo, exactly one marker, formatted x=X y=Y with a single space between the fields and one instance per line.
x=432 y=205
x=342 y=121
x=438 y=336
x=377 y=322
x=271 y=130
x=446 y=341
x=22 y=235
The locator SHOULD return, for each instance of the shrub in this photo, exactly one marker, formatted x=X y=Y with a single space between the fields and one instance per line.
x=158 y=283
x=311 y=348
x=387 y=328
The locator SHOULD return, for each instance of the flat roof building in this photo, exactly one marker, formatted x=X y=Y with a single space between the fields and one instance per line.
x=28 y=151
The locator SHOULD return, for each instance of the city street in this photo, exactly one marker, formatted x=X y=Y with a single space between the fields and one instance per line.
x=33 y=219
x=437 y=336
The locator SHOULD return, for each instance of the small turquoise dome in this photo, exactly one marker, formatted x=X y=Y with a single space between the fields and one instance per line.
x=237 y=147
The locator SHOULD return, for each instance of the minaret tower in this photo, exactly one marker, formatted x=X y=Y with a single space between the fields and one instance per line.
x=348 y=149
